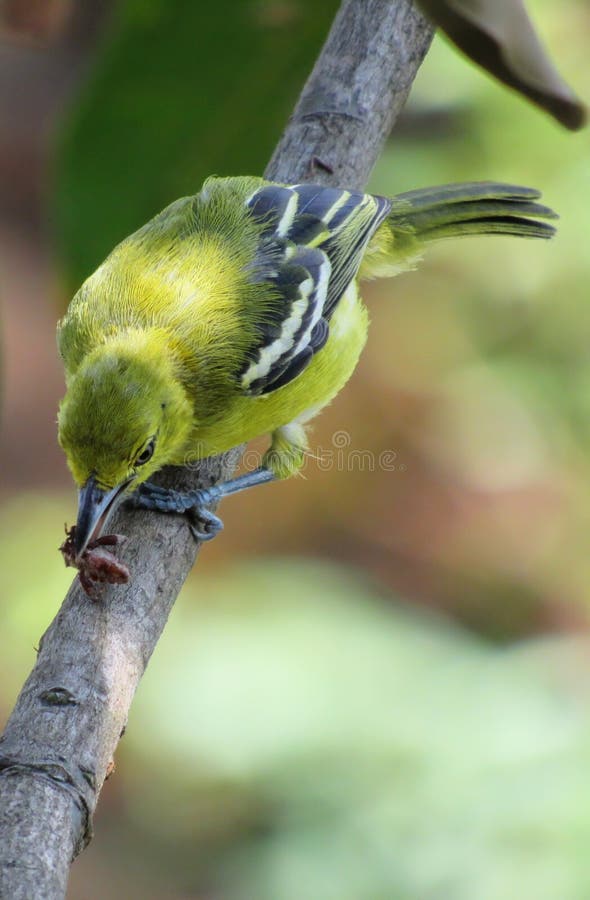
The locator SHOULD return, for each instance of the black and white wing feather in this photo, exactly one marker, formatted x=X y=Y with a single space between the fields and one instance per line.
x=311 y=245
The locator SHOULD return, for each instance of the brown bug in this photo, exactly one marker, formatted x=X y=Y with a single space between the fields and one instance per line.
x=96 y=565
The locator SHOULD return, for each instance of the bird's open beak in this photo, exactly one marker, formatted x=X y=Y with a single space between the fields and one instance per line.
x=95 y=507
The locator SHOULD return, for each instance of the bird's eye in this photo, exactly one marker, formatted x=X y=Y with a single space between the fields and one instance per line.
x=146 y=454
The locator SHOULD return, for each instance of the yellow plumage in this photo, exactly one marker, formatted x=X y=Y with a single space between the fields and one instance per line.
x=236 y=313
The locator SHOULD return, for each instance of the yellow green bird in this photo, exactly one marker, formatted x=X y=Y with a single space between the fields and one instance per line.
x=236 y=313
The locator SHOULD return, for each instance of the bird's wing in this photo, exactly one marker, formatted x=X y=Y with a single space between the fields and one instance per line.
x=310 y=248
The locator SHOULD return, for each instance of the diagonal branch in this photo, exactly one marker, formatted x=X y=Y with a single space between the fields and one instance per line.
x=60 y=739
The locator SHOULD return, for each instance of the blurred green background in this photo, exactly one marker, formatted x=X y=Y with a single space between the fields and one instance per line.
x=375 y=683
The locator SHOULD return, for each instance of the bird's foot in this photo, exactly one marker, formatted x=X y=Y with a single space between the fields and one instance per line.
x=203 y=523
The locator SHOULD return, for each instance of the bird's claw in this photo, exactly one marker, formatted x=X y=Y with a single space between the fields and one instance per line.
x=204 y=525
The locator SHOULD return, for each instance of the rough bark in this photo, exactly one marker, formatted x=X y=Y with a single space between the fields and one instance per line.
x=60 y=739
x=354 y=94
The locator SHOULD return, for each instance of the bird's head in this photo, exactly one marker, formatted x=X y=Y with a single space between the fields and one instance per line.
x=124 y=416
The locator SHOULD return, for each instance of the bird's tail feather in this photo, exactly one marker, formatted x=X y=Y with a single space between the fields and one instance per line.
x=483 y=207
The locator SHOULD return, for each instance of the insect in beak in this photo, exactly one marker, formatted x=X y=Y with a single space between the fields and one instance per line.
x=95 y=507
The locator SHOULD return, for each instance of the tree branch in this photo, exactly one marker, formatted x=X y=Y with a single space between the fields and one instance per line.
x=60 y=739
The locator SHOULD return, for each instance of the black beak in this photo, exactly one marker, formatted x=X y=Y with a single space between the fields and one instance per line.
x=95 y=507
